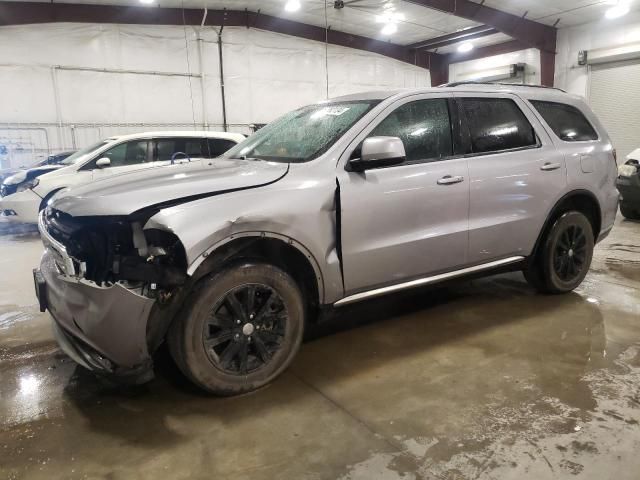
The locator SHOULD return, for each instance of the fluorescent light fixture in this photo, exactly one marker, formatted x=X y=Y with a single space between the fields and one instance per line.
x=465 y=47
x=147 y=2
x=389 y=29
x=618 y=11
x=292 y=5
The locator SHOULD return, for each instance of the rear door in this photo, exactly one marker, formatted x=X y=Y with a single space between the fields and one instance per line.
x=410 y=220
x=515 y=174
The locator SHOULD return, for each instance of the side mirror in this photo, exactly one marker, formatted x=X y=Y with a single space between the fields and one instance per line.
x=378 y=152
x=103 y=162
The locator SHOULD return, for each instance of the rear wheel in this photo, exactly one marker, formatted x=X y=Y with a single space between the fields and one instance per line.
x=629 y=212
x=564 y=256
x=240 y=330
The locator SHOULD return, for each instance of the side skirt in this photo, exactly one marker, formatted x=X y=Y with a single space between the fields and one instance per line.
x=426 y=281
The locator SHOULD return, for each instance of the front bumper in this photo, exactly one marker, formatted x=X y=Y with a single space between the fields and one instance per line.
x=21 y=207
x=101 y=328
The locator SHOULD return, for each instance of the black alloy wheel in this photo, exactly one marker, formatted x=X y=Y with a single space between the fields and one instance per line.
x=570 y=253
x=245 y=329
x=563 y=257
x=240 y=328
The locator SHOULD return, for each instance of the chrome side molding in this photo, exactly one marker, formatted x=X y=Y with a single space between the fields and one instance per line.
x=425 y=281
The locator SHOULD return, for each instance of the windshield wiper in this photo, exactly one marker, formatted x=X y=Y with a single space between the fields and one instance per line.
x=244 y=157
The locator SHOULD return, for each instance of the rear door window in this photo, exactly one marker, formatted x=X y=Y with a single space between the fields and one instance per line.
x=566 y=121
x=166 y=148
x=497 y=124
x=424 y=128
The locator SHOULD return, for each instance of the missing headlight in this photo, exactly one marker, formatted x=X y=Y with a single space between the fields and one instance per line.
x=115 y=249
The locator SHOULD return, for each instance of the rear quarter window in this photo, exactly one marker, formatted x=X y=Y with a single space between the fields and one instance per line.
x=217 y=146
x=566 y=121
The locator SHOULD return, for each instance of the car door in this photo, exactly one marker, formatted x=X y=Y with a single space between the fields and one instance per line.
x=191 y=151
x=515 y=175
x=410 y=220
x=123 y=157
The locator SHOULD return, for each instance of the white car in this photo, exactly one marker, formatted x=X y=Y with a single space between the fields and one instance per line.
x=23 y=198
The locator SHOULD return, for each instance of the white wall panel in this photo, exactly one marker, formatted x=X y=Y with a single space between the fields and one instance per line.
x=614 y=95
x=602 y=34
x=26 y=94
x=530 y=57
x=266 y=75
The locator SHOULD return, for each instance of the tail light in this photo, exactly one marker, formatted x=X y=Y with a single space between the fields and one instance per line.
x=615 y=156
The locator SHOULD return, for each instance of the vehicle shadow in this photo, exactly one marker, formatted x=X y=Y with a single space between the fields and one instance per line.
x=365 y=338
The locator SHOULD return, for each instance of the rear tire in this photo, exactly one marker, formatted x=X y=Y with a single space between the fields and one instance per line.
x=564 y=256
x=240 y=330
x=629 y=212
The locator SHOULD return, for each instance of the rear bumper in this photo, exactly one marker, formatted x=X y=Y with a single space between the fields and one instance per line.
x=101 y=328
x=21 y=207
x=629 y=188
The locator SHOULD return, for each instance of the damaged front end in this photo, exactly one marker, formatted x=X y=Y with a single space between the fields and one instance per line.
x=103 y=278
x=106 y=250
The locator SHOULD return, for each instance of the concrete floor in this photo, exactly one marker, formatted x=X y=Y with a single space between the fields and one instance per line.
x=483 y=379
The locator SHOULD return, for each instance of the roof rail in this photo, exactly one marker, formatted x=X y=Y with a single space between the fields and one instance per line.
x=473 y=82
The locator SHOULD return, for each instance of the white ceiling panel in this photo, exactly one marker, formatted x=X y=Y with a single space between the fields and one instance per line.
x=570 y=12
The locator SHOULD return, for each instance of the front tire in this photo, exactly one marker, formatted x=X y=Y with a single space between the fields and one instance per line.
x=564 y=256
x=240 y=330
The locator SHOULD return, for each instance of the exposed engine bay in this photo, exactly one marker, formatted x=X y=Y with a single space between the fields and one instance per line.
x=110 y=249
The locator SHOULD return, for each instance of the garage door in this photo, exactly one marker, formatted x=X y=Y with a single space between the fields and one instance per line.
x=614 y=96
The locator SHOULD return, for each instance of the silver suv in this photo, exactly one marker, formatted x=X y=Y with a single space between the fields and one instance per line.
x=331 y=204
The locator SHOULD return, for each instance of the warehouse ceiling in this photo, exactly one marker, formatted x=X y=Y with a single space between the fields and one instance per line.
x=430 y=34
x=413 y=22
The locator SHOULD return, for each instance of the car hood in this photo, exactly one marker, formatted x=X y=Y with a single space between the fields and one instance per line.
x=7 y=172
x=29 y=174
x=158 y=187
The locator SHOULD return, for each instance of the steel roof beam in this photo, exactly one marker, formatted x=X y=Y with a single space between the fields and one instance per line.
x=456 y=37
x=529 y=32
x=488 y=51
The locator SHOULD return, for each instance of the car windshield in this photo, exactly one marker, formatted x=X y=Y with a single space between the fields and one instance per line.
x=303 y=134
x=83 y=152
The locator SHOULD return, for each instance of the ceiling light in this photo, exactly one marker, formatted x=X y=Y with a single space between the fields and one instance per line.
x=389 y=29
x=618 y=11
x=146 y=2
x=390 y=17
x=292 y=5
x=465 y=47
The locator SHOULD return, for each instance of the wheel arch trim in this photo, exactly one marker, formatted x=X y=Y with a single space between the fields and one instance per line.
x=48 y=196
x=557 y=205
x=191 y=270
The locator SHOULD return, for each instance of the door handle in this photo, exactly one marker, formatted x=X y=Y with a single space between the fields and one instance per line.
x=547 y=167
x=449 y=180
